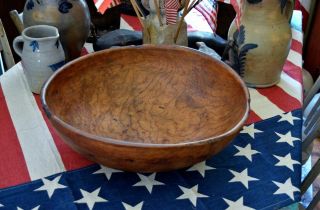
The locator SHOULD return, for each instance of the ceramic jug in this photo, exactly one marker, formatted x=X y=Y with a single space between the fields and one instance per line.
x=41 y=54
x=263 y=41
x=72 y=18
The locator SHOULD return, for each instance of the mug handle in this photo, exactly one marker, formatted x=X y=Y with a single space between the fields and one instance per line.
x=17 y=45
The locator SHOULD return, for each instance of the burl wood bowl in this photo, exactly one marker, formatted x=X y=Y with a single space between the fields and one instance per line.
x=146 y=108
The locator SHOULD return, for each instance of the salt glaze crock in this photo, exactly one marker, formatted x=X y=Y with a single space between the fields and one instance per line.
x=41 y=54
x=263 y=40
x=71 y=17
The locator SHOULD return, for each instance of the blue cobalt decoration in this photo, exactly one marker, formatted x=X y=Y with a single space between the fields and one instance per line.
x=30 y=5
x=35 y=45
x=56 y=66
x=64 y=6
x=237 y=55
x=253 y=172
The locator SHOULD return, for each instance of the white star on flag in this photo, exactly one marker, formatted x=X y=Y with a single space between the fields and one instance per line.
x=286 y=161
x=287 y=138
x=107 y=171
x=50 y=186
x=201 y=168
x=286 y=188
x=191 y=194
x=1 y=205
x=246 y=151
x=288 y=117
x=129 y=207
x=90 y=198
x=242 y=177
x=236 y=204
x=35 y=208
x=148 y=182
x=250 y=130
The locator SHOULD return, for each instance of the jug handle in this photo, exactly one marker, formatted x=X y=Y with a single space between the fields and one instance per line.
x=18 y=45
x=289 y=9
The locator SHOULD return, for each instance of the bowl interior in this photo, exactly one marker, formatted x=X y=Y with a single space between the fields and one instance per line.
x=149 y=95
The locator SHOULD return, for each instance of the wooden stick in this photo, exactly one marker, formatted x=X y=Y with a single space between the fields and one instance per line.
x=158 y=11
x=133 y=2
x=140 y=10
x=185 y=12
x=135 y=5
x=193 y=4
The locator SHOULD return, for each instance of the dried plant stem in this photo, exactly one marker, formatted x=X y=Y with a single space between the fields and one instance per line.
x=158 y=11
x=140 y=10
x=192 y=5
x=136 y=9
x=185 y=12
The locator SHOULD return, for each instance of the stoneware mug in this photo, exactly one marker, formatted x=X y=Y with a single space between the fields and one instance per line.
x=41 y=54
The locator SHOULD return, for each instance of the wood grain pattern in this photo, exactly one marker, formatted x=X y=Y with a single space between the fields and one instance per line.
x=146 y=108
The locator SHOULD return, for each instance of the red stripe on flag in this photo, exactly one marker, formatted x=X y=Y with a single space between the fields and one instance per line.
x=171 y=7
x=13 y=168
x=297 y=5
x=172 y=4
x=115 y=3
x=237 y=5
x=209 y=12
x=132 y=21
x=293 y=71
x=104 y=6
x=253 y=117
x=280 y=98
x=210 y=16
x=296 y=46
x=84 y=51
x=305 y=17
x=71 y=159
x=171 y=16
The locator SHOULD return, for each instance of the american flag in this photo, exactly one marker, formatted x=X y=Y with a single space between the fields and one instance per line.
x=103 y=5
x=171 y=8
x=237 y=5
x=257 y=171
x=209 y=10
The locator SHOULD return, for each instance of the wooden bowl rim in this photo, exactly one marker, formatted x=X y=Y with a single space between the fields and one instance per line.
x=120 y=142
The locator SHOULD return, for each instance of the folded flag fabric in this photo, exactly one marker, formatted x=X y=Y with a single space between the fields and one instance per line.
x=260 y=169
x=304 y=6
x=103 y=5
x=209 y=10
x=171 y=8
